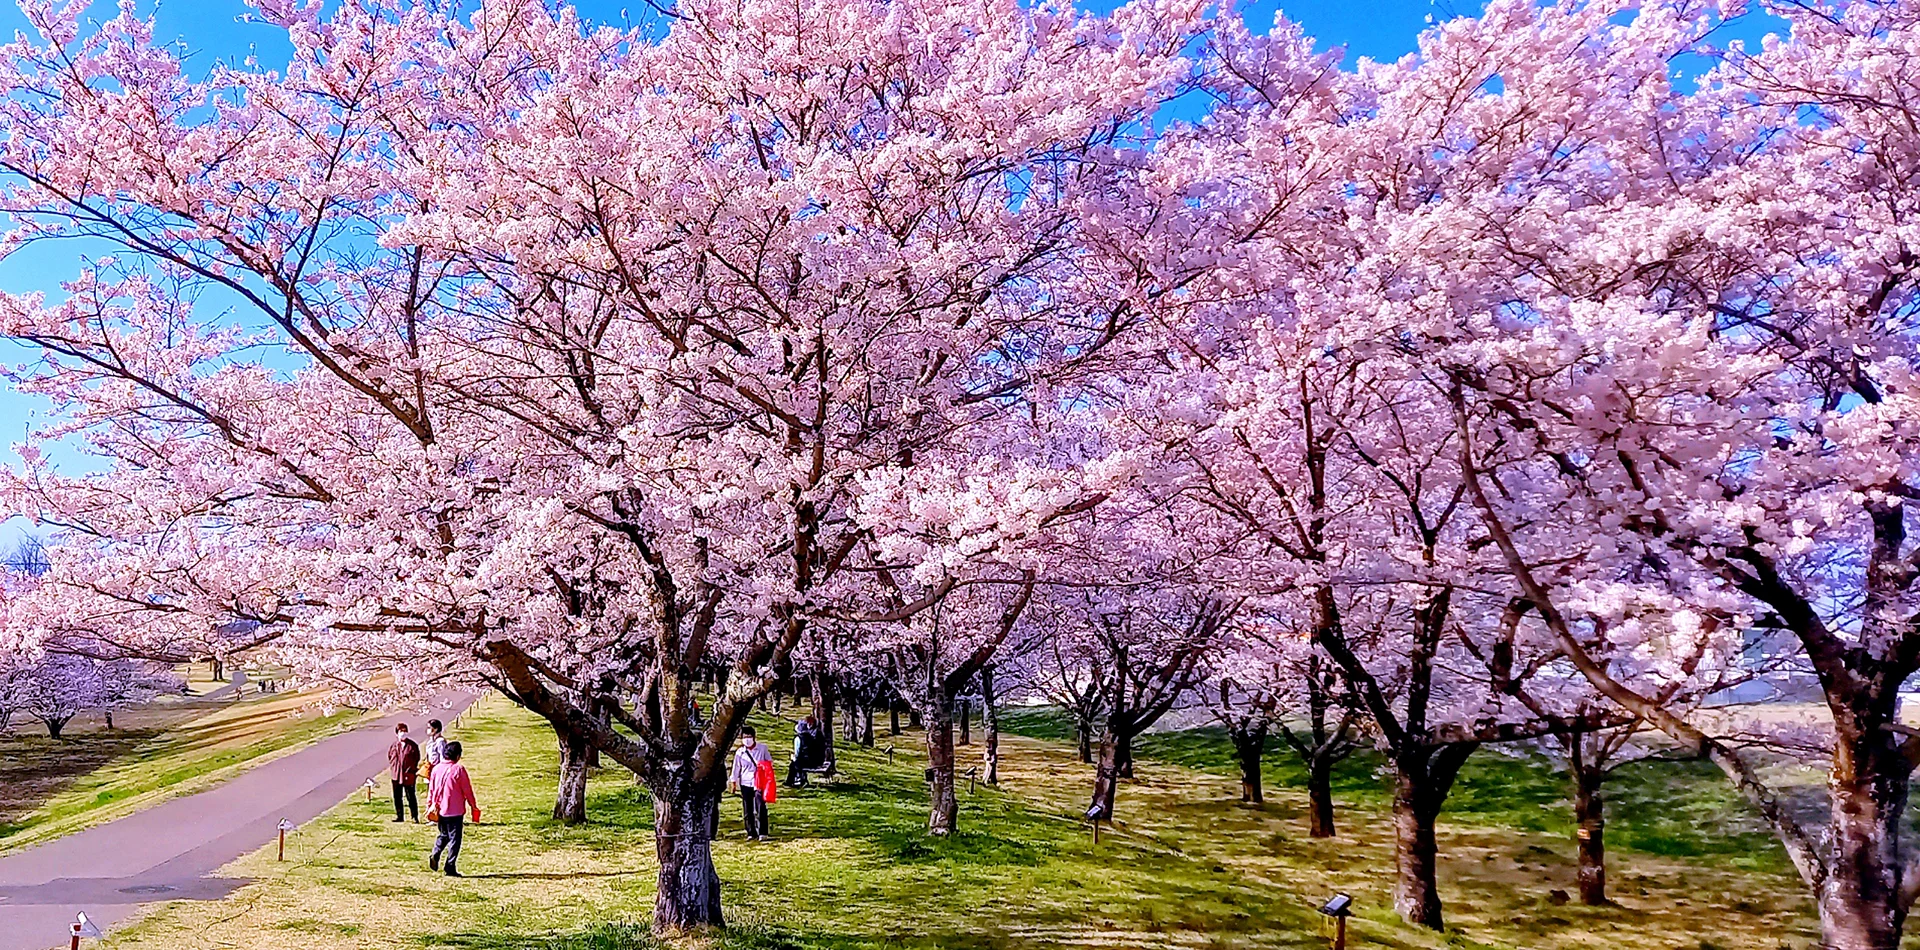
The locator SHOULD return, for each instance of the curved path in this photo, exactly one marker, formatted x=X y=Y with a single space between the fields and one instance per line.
x=167 y=852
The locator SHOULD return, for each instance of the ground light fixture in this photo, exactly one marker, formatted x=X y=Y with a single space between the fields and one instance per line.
x=1339 y=907
x=84 y=927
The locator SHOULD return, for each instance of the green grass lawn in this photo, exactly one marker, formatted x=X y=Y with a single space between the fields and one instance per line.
x=1683 y=809
x=1189 y=867
x=51 y=787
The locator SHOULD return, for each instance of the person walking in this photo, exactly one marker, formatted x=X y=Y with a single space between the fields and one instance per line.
x=806 y=739
x=403 y=766
x=746 y=777
x=436 y=750
x=449 y=798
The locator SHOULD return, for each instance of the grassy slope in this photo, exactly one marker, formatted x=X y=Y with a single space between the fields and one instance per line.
x=1673 y=809
x=1190 y=868
x=54 y=787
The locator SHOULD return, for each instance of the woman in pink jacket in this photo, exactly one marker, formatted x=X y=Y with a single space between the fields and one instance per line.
x=449 y=797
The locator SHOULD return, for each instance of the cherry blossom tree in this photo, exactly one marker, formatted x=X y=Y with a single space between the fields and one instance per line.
x=1271 y=677
x=1674 y=330
x=61 y=686
x=608 y=355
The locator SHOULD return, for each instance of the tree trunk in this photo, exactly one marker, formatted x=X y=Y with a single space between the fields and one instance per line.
x=823 y=711
x=54 y=726
x=1859 y=903
x=688 y=896
x=1589 y=812
x=1083 y=735
x=913 y=719
x=1106 y=776
x=866 y=725
x=1320 y=796
x=1249 y=746
x=1422 y=777
x=1416 y=892
x=570 y=802
x=945 y=811
x=893 y=719
x=1123 y=761
x=990 y=723
x=966 y=721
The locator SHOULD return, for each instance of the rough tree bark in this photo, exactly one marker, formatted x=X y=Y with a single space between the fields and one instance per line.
x=570 y=801
x=1249 y=749
x=990 y=722
x=823 y=710
x=1590 y=818
x=688 y=895
x=1422 y=777
x=1106 y=770
x=850 y=724
x=1320 y=798
x=944 y=812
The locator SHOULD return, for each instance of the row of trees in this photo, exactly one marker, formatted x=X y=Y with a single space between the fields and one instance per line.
x=1512 y=392
x=53 y=688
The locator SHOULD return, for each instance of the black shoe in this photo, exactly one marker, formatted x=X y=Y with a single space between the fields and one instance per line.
x=453 y=873
x=398 y=820
x=433 y=863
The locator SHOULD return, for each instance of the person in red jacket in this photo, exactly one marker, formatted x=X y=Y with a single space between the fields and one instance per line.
x=403 y=766
x=449 y=797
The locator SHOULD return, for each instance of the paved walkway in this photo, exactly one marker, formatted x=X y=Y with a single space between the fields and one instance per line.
x=168 y=851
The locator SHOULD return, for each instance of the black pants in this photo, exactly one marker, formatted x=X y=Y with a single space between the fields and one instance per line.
x=404 y=793
x=451 y=829
x=753 y=810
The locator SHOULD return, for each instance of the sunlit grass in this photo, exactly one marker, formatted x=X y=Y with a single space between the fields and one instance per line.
x=1682 y=809
x=1189 y=867
x=51 y=787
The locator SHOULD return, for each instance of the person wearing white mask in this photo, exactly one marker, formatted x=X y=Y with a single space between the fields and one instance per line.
x=748 y=777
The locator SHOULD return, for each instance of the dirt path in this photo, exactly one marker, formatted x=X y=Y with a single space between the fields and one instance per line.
x=168 y=851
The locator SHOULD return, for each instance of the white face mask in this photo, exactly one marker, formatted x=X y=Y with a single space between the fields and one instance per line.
x=749 y=742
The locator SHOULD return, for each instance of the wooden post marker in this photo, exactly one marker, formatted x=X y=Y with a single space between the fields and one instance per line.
x=1339 y=908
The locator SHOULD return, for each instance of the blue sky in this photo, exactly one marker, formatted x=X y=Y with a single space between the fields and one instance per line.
x=216 y=30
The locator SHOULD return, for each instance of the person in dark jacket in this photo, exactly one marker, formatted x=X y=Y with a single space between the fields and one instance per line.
x=806 y=740
x=403 y=766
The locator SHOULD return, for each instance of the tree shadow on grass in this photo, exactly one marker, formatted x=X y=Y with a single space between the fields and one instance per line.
x=550 y=876
x=33 y=769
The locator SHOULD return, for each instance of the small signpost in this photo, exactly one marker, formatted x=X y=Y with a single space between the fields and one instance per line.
x=83 y=927
x=889 y=753
x=1094 y=815
x=285 y=826
x=370 y=788
x=1338 y=909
